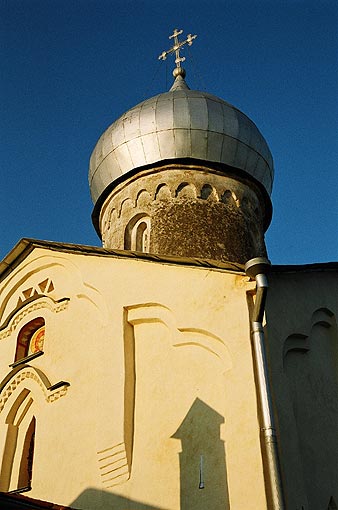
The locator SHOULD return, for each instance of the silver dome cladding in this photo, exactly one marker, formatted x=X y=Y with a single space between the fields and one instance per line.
x=181 y=123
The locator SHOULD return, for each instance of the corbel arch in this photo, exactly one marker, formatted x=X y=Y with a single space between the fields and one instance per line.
x=33 y=379
x=180 y=337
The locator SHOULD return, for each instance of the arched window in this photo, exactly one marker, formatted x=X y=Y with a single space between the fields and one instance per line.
x=137 y=234
x=30 y=339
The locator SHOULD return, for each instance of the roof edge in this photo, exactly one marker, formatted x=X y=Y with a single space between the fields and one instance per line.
x=16 y=501
x=26 y=245
x=14 y=257
x=312 y=267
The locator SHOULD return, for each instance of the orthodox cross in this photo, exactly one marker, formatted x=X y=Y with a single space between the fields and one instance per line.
x=177 y=47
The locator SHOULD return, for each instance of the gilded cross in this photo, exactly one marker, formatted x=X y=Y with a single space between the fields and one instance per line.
x=177 y=47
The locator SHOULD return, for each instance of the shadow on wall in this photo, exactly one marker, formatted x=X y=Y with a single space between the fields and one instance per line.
x=203 y=478
x=311 y=367
x=95 y=499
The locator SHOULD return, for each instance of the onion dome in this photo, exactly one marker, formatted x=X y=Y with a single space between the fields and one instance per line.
x=181 y=123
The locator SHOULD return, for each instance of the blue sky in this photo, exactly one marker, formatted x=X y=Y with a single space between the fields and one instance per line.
x=71 y=67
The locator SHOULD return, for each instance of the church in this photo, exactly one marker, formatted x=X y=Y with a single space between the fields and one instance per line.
x=174 y=368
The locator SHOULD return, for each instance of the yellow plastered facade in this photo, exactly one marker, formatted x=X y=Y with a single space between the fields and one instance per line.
x=144 y=396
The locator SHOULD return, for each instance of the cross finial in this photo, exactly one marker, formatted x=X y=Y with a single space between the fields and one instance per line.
x=176 y=49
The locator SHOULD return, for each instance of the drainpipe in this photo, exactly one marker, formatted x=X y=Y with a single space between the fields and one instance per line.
x=257 y=268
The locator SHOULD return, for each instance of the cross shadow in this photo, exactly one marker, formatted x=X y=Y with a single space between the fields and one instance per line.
x=203 y=475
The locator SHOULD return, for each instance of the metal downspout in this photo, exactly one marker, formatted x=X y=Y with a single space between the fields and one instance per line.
x=256 y=268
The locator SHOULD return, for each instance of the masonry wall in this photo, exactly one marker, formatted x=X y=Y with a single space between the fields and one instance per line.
x=186 y=211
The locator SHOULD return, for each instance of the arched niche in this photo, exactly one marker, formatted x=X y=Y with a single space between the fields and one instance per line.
x=18 y=454
x=23 y=394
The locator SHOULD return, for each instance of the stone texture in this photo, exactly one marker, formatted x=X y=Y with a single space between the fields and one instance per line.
x=193 y=211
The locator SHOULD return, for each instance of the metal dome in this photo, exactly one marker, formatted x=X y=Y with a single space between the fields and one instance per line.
x=181 y=123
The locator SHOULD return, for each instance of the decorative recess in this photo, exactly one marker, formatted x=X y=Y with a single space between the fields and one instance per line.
x=178 y=338
x=143 y=198
x=296 y=342
x=174 y=183
x=44 y=287
x=195 y=337
x=44 y=302
x=30 y=373
x=186 y=190
x=127 y=203
x=208 y=192
x=163 y=192
x=299 y=341
x=189 y=190
x=181 y=337
x=113 y=465
x=230 y=198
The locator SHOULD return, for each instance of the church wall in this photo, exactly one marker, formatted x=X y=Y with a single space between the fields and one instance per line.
x=156 y=403
x=301 y=315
